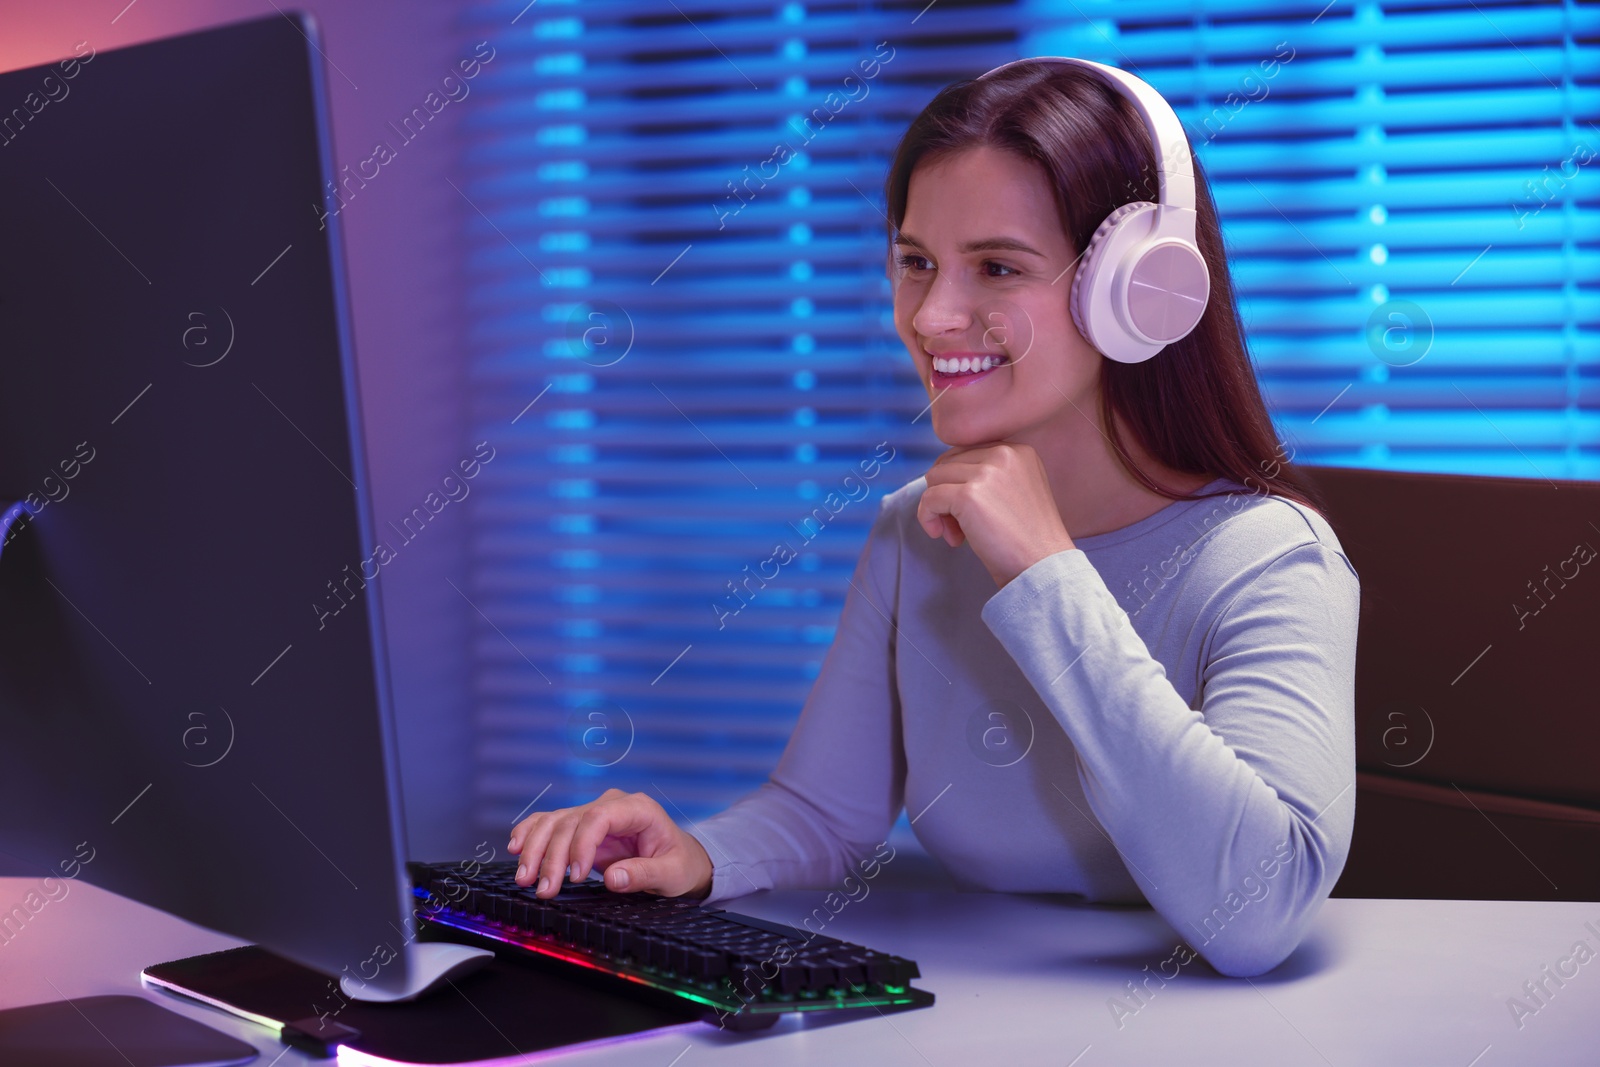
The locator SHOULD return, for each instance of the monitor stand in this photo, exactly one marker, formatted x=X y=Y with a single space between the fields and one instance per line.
x=432 y=962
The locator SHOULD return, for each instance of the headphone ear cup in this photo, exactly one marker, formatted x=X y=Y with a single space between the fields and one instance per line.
x=1085 y=314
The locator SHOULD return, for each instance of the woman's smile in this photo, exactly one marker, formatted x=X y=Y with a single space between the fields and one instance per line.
x=950 y=369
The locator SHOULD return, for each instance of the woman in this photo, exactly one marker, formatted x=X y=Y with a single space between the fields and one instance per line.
x=1106 y=645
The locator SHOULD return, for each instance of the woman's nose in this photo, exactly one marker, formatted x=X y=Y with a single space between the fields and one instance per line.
x=945 y=306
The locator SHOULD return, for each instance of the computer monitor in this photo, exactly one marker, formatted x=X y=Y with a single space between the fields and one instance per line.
x=194 y=698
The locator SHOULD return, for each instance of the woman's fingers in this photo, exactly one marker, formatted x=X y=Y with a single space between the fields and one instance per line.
x=519 y=832
x=953 y=535
x=543 y=859
x=533 y=850
x=936 y=513
x=554 y=868
x=634 y=818
x=616 y=826
x=609 y=852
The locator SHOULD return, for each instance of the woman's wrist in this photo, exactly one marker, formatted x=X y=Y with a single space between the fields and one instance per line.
x=703 y=864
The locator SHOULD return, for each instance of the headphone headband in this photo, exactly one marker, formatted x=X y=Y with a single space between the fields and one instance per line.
x=1174 y=167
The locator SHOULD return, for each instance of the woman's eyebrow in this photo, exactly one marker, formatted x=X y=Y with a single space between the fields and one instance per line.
x=988 y=244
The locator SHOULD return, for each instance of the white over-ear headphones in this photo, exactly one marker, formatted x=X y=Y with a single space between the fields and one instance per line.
x=1142 y=282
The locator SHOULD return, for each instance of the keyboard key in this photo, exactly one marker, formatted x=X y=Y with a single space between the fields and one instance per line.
x=678 y=957
x=792 y=978
x=820 y=975
x=448 y=893
x=881 y=969
x=650 y=951
x=849 y=973
x=704 y=965
x=746 y=979
x=499 y=907
x=609 y=939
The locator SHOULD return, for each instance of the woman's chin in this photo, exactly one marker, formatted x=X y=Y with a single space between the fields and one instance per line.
x=960 y=434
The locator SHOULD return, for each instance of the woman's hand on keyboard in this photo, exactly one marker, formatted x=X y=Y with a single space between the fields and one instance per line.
x=627 y=836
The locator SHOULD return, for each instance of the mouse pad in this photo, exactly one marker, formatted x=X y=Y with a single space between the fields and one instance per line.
x=507 y=1008
x=113 y=1031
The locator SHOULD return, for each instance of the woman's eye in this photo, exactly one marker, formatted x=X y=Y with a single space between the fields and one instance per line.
x=911 y=262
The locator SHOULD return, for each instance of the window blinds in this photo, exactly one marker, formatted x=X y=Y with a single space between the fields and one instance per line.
x=1405 y=193
x=682 y=347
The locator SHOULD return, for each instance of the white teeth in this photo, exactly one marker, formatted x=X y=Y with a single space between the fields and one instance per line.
x=967 y=364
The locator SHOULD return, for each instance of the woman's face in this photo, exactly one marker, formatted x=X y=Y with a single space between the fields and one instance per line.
x=1006 y=302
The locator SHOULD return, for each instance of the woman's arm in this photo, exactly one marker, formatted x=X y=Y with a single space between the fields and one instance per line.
x=840 y=783
x=1235 y=820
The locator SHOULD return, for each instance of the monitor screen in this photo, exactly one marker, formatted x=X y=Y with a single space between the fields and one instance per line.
x=194 y=705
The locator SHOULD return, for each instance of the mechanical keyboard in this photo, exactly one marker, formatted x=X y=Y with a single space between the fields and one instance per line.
x=745 y=971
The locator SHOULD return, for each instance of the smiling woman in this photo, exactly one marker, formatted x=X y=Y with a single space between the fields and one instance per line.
x=1061 y=289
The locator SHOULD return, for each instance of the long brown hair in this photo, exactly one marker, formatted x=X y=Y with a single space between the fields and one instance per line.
x=1196 y=406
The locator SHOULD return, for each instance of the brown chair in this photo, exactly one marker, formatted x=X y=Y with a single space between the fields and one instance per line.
x=1477 y=705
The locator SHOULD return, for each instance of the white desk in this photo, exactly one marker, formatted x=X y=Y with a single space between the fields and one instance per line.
x=1026 y=980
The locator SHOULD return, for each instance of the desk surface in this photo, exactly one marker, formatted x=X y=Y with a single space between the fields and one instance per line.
x=1030 y=979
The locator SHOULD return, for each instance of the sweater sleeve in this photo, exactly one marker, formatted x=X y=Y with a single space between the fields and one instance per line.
x=1234 y=819
x=840 y=782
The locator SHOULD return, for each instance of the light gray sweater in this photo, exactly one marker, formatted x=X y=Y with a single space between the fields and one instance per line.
x=1164 y=713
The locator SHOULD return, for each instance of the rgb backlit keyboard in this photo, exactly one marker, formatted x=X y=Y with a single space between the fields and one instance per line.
x=747 y=971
